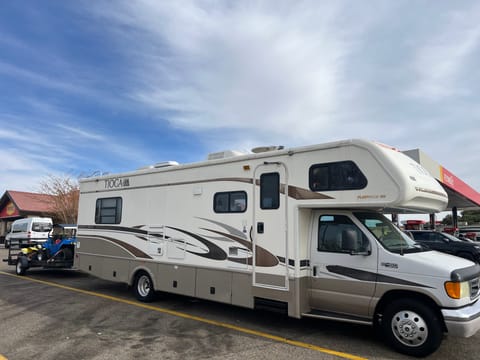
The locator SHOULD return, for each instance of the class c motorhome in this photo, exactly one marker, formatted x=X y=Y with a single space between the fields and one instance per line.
x=299 y=230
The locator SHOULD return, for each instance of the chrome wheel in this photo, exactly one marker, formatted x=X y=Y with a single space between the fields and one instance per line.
x=144 y=287
x=409 y=328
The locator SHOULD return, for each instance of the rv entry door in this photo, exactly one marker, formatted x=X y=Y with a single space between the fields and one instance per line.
x=270 y=226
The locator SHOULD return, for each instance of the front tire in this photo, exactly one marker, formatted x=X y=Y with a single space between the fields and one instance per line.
x=412 y=328
x=143 y=287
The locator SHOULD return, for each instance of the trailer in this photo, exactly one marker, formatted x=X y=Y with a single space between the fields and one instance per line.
x=56 y=252
x=295 y=230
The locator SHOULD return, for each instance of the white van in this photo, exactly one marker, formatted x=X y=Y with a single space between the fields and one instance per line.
x=31 y=229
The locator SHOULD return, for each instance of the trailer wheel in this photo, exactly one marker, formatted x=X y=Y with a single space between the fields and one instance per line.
x=21 y=266
x=67 y=253
x=143 y=287
x=412 y=328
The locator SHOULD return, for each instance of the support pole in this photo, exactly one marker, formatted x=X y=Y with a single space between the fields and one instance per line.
x=454 y=218
x=432 y=221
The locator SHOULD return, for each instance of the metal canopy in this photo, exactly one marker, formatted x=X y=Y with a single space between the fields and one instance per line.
x=460 y=195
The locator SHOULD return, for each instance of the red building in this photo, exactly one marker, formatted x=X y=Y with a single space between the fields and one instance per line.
x=19 y=204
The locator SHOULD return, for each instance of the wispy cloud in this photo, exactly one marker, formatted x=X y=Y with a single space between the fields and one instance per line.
x=240 y=65
x=134 y=82
x=442 y=58
x=39 y=79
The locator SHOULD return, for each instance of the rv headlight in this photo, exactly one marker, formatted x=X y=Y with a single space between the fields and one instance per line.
x=457 y=290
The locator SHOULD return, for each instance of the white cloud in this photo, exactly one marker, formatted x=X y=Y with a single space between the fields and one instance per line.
x=441 y=59
x=240 y=65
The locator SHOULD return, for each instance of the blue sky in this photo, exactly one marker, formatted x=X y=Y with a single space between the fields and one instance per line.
x=110 y=86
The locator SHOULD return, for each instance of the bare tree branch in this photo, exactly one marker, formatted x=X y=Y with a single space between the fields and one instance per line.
x=65 y=192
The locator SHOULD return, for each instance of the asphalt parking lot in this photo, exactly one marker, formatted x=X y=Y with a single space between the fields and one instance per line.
x=65 y=314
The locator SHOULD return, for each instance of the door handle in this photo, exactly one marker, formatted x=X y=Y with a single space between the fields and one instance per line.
x=260 y=228
x=314 y=271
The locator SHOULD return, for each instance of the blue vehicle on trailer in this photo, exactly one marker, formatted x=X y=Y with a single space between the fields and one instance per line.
x=56 y=252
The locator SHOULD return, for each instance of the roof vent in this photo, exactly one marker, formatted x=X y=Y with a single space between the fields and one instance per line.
x=262 y=149
x=224 y=154
x=159 y=165
x=165 y=164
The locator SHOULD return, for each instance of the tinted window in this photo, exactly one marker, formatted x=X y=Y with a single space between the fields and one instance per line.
x=428 y=236
x=41 y=226
x=230 y=202
x=270 y=191
x=21 y=227
x=108 y=211
x=342 y=175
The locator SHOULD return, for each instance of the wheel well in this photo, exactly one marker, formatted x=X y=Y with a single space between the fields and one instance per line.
x=138 y=271
x=398 y=294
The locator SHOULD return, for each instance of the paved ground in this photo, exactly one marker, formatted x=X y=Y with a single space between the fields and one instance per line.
x=70 y=315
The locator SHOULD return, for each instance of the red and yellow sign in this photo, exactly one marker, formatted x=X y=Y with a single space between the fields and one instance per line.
x=9 y=210
x=453 y=182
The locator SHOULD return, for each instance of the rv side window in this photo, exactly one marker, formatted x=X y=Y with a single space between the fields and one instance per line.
x=342 y=175
x=108 y=211
x=230 y=202
x=269 y=191
x=337 y=233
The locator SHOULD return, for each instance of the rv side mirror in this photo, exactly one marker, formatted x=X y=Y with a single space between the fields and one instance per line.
x=352 y=244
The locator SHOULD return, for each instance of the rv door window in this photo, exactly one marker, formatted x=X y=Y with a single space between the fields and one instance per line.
x=108 y=211
x=342 y=175
x=230 y=202
x=338 y=233
x=269 y=191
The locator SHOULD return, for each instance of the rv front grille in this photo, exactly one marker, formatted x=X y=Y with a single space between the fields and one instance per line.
x=474 y=288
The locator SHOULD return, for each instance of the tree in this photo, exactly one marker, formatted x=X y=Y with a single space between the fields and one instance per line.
x=65 y=192
x=448 y=220
x=471 y=216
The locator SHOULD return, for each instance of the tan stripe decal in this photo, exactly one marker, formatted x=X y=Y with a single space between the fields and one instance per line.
x=132 y=249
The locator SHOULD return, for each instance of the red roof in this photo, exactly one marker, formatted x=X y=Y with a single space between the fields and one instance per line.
x=30 y=202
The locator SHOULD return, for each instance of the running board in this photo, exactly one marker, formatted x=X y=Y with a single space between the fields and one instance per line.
x=338 y=317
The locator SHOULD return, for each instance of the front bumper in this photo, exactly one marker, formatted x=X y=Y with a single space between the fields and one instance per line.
x=463 y=322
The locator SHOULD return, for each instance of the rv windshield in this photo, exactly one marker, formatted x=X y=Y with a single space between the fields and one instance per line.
x=387 y=233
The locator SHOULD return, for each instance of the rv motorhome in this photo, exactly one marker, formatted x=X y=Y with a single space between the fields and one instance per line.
x=299 y=230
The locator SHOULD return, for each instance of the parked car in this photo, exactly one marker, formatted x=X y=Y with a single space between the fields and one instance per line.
x=29 y=229
x=447 y=243
x=471 y=232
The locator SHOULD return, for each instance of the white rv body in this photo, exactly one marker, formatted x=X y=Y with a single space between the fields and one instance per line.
x=265 y=247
